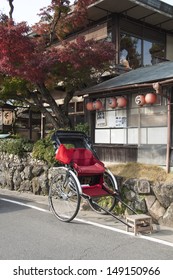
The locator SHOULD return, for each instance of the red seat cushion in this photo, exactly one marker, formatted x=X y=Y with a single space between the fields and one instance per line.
x=64 y=155
x=95 y=190
x=85 y=163
x=90 y=169
x=82 y=159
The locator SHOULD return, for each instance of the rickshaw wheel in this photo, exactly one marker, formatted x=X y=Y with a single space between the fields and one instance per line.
x=64 y=197
x=108 y=202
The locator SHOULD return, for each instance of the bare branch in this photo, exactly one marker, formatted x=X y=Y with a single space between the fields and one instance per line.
x=11 y=8
x=55 y=21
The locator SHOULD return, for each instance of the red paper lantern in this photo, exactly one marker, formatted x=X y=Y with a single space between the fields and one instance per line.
x=140 y=100
x=150 y=98
x=97 y=105
x=112 y=102
x=121 y=102
x=89 y=106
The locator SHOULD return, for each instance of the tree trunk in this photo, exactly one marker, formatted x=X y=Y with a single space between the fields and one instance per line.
x=43 y=110
x=65 y=107
x=60 y=117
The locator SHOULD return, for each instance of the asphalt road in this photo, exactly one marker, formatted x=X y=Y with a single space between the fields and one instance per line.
x=35 y=234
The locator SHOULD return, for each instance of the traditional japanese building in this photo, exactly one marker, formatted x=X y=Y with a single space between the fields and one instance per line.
x=131 y=118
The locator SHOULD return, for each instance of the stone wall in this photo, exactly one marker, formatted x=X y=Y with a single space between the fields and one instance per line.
x=153 y=199
x=25 y=174
x=29 y=175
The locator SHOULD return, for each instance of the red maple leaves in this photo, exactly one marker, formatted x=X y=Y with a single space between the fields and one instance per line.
x=82 y=53
x=19 y=54
x=29 y=57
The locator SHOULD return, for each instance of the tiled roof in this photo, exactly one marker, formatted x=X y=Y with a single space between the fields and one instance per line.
x=149 y=74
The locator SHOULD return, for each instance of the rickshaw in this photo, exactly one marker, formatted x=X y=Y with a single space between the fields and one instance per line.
x=81 y=175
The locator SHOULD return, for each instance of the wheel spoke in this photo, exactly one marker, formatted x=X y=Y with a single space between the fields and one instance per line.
x=64 y=195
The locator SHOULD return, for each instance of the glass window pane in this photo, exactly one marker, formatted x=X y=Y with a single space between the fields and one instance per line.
x=71 y=107
x=147 y=59
x=79 y=107
x=130 y=51
x=153 y=53
x=157 y=52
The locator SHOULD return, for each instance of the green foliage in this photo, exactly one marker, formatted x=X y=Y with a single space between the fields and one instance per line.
x=12 y=87
x=83 y=127
x=120 y=208
x=43 y=150
x=39 y=149
x=16 y=146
